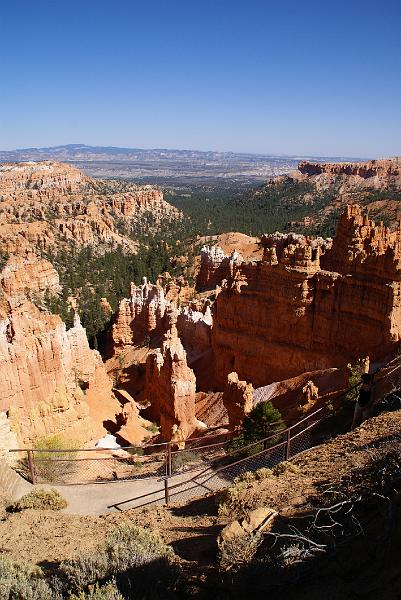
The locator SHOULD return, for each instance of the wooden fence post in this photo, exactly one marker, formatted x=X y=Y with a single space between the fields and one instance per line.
x=166 y=492
x=169 y=460
x=288 y=444
x=31 y=465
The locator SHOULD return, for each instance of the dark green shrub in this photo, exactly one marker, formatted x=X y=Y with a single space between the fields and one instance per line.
x=263 y=420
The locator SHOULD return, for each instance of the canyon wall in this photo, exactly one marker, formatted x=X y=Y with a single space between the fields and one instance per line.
x=382 y=174
x=49 y=206
x=143 y=318
x=50 y=380
x=377 y=173
x=310 y=306
x=139 y=316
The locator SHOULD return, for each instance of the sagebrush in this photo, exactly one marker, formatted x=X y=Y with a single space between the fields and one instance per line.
x=40 y=499
x=127 y=550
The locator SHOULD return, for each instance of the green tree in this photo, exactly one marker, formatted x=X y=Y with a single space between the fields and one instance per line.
x=261 y=421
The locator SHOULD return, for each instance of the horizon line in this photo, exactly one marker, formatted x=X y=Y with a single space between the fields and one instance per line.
x=295 y=156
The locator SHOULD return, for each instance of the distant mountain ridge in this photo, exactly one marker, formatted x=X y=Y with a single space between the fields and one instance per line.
x=160 y=165
x=75 y=149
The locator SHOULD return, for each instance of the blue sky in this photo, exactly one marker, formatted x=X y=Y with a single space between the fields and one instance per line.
x=283 y=77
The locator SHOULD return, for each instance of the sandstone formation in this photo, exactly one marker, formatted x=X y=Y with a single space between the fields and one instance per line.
x=310 y=305
x=326 y=188
x=257 y=520
x=143 y=319
x=215 y=266
x=28 y=276
x=48 y=205
x=8 y=440
x=139 y=316
x=210 y=409
x=304 y=393
x=375 y=174
x=50 y=380
x=171 y=387
x=237 y=399
x=247 y=246
x=194 y=328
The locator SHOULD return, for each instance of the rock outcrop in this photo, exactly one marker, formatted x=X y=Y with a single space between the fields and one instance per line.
x=215 y=266
x=310 y=306
x=296 y=396
x=171 y=387
x=50 y=380
x=237 y=399
x=48 y=205
x=8 y=439
x=28 y=276
x=374 y=173
x=326 y=188
x=384 y=174
x=139 y=316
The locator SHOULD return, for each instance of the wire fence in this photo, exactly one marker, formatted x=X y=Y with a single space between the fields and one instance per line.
x=91 y=465
x=204 y=465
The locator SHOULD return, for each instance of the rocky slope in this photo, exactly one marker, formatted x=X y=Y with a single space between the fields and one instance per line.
x=380 y=174
x=49 y=206
x=51 y=382
x=325 y=189
x=288 y=323
x=153 y=345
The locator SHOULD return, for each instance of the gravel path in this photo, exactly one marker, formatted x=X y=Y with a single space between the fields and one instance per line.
x=101 y=498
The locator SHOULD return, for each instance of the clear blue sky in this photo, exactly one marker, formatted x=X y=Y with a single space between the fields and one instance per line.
x=285 y=77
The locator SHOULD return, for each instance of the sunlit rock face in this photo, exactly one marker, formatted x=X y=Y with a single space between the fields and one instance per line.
x=374 y=173
x=50 y=206
x=310 y=304
x=171 y=387
x=215 y=266
x=139 y=316
x=50 y=380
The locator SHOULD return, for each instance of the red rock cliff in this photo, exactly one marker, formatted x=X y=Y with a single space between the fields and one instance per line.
x=50 y=380
x=306 y=307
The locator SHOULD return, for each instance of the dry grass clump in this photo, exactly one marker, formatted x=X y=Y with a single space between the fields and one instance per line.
x=238 y=551
x=40 y=499
x=96 y=592
x=5 y=502
x=232 y=500
x=23 y=582
x=128 y=550
x=285 y=468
